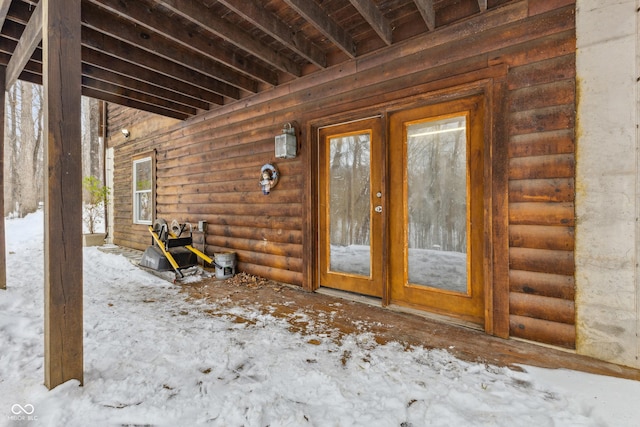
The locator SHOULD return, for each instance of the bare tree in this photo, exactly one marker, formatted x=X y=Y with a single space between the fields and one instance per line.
x=29 y=150
x=91 y=144
x=10 y=155
x=23 y=151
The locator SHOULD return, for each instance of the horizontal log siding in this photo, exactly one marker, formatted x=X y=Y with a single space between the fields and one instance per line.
x=208 y=167
x=541 y=195
x=141 y=126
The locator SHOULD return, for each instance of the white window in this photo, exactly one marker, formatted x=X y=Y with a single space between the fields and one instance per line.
x=143 y=191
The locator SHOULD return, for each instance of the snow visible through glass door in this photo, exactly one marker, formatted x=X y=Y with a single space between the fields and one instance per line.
x=350 y=204
x=437 y=203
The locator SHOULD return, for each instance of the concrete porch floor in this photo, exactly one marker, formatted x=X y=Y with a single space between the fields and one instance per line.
x=338 y=314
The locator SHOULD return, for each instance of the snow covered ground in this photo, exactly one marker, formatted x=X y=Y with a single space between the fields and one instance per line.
x=153 y=358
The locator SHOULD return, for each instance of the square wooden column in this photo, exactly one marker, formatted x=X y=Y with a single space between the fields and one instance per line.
x=61 y=78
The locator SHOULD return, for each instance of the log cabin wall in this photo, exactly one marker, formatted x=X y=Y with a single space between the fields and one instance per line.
x=143 y=128
x=208 y=167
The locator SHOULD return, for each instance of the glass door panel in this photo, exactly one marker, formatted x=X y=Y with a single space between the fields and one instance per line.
x=437 y=203
x=350 y=204
x=436 y=215
x=350 y=207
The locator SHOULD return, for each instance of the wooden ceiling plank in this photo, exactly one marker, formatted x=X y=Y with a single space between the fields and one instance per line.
x=9 y=46
x=32 y=72
x=134 y=71
x=31 y=66
x=127 y=52
x=317 y=17
x=428 y=12
x=138 y=13
x=26 y=76
x=31 y=37
x=115 y=99
x=164 y=86
x=375 y=18
x=127 y=82
x=12 y=30
x=106 y=23
x=279 y=30
x=106 y=61
x=136 y=95
x=205 y=17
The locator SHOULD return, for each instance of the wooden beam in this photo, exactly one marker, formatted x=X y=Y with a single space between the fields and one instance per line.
x=375 y=18
x=109 y=97
x=130 y=53
x=205 y=17
x=279 y=30
x=3 y=249
x=109 y=53
x=63 y=333
x=125 y=82
x=155 y=43
x=31 y=37
x=317 y=17
x=483 y=5
x=119 y=81
x=134 y=71
x=8 y=46
x=32 y=72
x=140 y=14
x=200 y=92
x=428 y=12
x=137 y=96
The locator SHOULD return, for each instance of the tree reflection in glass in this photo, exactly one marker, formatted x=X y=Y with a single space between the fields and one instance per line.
x=437 y=203
x=350 y=204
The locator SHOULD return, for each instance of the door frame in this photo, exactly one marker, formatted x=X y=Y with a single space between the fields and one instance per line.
x=491 y=83
x=469 y=306
x=378 y=241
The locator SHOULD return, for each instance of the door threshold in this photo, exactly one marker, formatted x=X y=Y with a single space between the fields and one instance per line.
x=437 y=317
x=350 y=296
x=377 y=302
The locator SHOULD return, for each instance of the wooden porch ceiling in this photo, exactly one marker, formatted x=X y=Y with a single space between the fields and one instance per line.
x=178 y=58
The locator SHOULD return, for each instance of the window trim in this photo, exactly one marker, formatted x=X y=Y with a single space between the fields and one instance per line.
x=141 y=158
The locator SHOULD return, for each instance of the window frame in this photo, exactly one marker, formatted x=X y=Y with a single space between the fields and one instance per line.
x=143 y=158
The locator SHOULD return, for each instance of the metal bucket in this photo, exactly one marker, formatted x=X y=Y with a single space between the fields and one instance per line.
x=225 y=265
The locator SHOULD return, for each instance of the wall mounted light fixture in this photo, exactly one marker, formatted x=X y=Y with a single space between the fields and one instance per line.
x=286 y=143
x=125 y=132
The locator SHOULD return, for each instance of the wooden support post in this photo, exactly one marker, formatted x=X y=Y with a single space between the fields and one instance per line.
x=3 y=251
x=63 y=195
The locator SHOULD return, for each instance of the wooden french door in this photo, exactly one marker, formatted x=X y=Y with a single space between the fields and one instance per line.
x=423 y=242
x=351 y=200
x=436 y=208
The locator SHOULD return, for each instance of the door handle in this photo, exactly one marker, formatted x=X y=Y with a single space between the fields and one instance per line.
x=378 y=209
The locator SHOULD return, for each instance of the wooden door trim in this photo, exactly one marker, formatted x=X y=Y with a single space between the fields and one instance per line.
x=373 y=285
x=311 y=203
x=496 y=213
x=469 y=307
x=492 y=83
x=310 y=221
x=497 y=209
